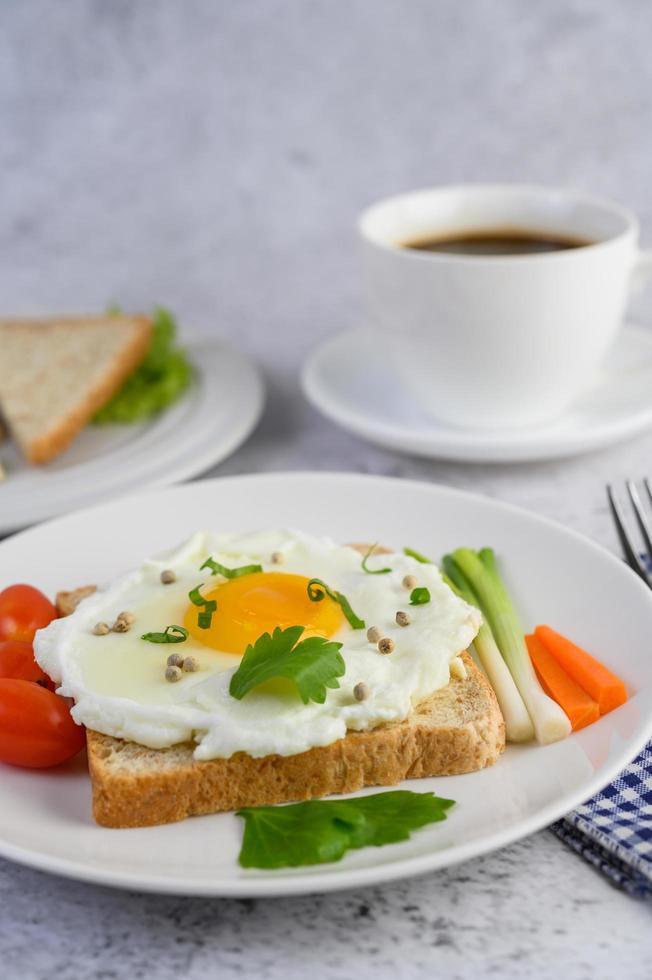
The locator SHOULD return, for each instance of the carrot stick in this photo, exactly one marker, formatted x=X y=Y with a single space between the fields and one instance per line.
x=603 y=686
x=581 y=709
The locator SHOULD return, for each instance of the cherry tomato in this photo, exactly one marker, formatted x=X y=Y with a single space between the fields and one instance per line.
x=23 y=611
x=17 y=660
x=36 y=727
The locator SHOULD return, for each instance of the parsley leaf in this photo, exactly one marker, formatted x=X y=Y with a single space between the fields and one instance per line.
x=313 y=664
x=321 y=831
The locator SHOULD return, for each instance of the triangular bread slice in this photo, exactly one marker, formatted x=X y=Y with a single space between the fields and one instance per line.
x=55 y=373
x=457 y=729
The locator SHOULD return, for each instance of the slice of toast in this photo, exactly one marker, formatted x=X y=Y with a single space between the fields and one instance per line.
x=55 y=373
x=457 y=729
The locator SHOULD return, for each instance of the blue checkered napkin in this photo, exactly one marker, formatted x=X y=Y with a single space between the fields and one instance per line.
x=613 y=830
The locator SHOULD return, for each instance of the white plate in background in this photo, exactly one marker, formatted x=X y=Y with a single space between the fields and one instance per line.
x=210 y=421
x=348 y=380
x=555 y=576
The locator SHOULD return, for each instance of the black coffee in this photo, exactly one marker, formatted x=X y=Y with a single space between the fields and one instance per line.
x=497 y=241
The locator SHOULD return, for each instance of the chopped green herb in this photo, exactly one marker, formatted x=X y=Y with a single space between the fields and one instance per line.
x=318 y=590
x=208 y=607
x=373 y=571
x=313 y=664
x=172 y=634
x=205 y=617
x=419 y=597
x=160 y=380
x=196 y=597
x=321 y=831
x=411 y=553
x=217 y=569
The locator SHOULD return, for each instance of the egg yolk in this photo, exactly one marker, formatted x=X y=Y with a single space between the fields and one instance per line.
x=255 y=604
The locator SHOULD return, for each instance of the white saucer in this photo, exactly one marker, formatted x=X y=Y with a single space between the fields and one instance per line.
x=216 y=415
x=348 y=380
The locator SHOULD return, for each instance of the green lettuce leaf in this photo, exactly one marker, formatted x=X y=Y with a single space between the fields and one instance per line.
x=160 y=380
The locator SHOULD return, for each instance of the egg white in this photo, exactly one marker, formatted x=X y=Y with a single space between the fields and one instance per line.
x=118 y=684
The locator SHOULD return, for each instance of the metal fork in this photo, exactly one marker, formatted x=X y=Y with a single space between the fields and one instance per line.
x=639 y=561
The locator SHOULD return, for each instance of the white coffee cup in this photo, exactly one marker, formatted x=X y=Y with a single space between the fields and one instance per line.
x=490 y=341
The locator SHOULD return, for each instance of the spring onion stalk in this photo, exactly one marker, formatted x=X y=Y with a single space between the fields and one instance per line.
x=480 y=568
x=518 y=724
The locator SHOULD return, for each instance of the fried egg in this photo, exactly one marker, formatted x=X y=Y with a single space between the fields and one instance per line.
x=118 y=680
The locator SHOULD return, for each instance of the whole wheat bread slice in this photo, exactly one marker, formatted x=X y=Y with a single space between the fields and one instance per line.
x=56 y=373
x=457 y=729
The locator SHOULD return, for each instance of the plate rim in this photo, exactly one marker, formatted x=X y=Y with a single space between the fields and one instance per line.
x=304 y=884
x=462 y=445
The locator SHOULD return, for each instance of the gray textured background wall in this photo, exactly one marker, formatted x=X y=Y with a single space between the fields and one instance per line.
x=213 y=155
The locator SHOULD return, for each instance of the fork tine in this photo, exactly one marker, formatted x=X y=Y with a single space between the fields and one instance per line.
x=640 y=516
x=631 y=556
x=648 y=487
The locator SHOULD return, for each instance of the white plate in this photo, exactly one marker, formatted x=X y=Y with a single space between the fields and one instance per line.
x=348 y=380
x=216 y=415
x=556 y=577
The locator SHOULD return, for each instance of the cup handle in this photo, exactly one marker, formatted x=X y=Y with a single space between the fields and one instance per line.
x=641 y=271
